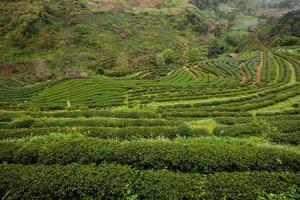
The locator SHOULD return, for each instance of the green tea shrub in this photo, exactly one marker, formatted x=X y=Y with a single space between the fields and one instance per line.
x=173 y=155
x=23 y=122
x=4 y=117
x=184 y=130
x=123 y=133
x=238 y=130
x=108 y=181
x=101 y=122
x=285 y=138
x=248 y=185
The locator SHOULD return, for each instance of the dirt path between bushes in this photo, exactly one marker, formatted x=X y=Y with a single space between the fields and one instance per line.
x=244 y=78
x=259 y=69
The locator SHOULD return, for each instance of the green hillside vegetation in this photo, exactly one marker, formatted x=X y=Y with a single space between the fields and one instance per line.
x=149 y=99
x=213 y=125
x=44 y=38
x=283 y=31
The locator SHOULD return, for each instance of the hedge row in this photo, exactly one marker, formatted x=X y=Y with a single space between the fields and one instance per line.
x=286 y=138
x=273 y=119
x=233 y=120
x=185 y=156
x=295 y=111
x=201 y=113
x=125 y=133
x=287 y=125
x=69 y=122
x=264 y=98
x=255 y=128
x=241 y=106
x=238 y=130
x=8 y=116
x=121 y=182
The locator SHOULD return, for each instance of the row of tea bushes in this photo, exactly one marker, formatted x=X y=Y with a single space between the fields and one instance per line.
x=200 y=155
x=258 y=127
x=123 y=133
x=122 y=182
x=70 y=122
x=286 y=138
x=9 y=116
x=269 y=118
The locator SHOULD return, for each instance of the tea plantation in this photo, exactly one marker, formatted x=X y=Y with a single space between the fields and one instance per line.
x=224 y=128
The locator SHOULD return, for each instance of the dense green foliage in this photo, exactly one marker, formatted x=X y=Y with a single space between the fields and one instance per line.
x=190 y=156
x=44 y=39
x=149 y=99
x=288 y=25
x=121 y=182
x=283 y=31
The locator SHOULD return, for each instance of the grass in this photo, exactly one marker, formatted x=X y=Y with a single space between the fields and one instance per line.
x=285 y=105
x=207 y=124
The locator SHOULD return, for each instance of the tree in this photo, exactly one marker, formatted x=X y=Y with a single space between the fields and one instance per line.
x=100 y=71
x=286 y=40
x=169 y=56
x=160 y=60
x=215 y=49
x=233 y=39
x=192 y=55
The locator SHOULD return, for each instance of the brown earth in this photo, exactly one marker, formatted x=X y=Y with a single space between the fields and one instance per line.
x=6 y=71
x=259 y=69
x=113 y=6
x=148 y=3
x=272 y=13
x=244 y=78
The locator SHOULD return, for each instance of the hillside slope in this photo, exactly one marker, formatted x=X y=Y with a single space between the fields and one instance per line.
x=45 y=38
x=283 y=31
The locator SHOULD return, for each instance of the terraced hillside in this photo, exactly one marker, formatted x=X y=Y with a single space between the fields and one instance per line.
x=226 y=128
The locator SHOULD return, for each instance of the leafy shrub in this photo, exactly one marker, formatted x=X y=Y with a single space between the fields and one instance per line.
x=232 y=120
x=257 y=127
x=286 y=40
x=215 y=50
x=192 y=55
x=286 y=125
x=285 y=138
x=6 y=117
x=91 y=113
x=160 y=60
x=123 y=133
x=34 y=108
x=179 y=155
x=169 y=56
x=247 y=185
x=238 y=130
x=291 y=193
x=184 y=130
x=24 y=122
x=83 y=107
x=101 y=122
x=100 y=71
x=118 y=182
x=196 y=132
